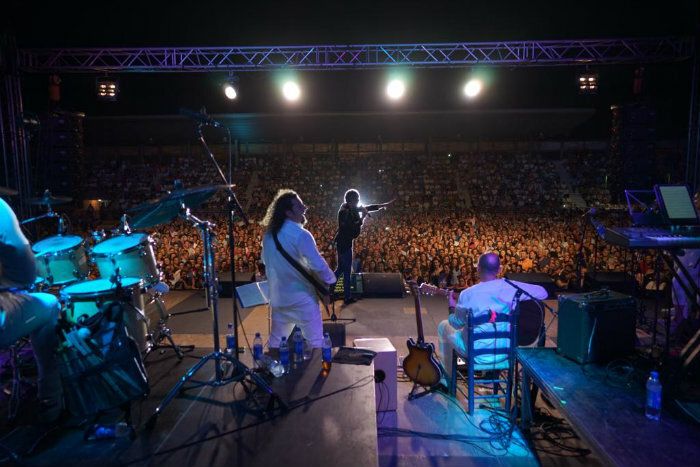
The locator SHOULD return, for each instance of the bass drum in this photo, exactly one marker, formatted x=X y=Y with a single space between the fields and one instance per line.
x=85 y=299
x=61 y=259
x=131 y=253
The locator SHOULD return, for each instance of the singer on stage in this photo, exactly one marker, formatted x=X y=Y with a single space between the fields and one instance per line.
x=351 y=215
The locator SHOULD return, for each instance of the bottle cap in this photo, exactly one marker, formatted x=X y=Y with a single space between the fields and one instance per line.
x=655 y=374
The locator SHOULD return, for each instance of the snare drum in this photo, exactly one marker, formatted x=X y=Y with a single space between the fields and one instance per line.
x=86 y=298
x=61 y=259
x=131 y=253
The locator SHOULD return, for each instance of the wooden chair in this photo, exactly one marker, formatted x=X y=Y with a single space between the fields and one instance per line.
x=503 y=356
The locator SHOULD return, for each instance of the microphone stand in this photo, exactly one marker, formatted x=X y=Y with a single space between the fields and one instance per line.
x=579 y=255
x=232 y=207
x=543 y=330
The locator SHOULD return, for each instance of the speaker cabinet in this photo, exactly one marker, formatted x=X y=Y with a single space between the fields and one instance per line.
x=536 y=278
x=382 y=285
x=596 y=327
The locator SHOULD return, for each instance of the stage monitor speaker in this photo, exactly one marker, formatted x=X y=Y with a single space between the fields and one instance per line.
x=382 y=285
x=226 y=285
x=536 y=278
x=618 y=281
x=596 y=327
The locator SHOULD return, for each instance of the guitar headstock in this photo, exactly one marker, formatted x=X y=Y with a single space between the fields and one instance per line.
x=430 y=289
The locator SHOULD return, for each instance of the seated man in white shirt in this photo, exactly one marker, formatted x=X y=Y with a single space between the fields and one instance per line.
x=490 y=295
x=293 y=298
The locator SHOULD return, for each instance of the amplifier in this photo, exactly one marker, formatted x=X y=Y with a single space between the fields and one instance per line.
x=596 y=327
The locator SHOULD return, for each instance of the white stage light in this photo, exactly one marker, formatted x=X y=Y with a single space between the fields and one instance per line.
x=291 y=91
x=230 y=91
x=472 y=88
x=395 y=89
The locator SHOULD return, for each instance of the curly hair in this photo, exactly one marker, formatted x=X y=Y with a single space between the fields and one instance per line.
x=277 y=210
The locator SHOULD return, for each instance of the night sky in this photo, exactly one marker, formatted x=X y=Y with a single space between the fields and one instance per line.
x=37 y=24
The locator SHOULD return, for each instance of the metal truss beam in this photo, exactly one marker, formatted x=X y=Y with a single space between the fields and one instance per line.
x=338 y=57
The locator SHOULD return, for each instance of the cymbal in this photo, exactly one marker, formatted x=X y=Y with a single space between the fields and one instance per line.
x=4 y=191
x=49 y=200
x=167 y=208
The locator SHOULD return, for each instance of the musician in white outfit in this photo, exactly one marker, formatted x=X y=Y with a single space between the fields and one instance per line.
x=293 y=298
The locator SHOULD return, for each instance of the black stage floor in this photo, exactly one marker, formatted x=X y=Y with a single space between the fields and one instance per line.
x=203 y=426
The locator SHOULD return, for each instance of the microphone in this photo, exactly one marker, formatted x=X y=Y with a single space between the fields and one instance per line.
x=200 y=117
x=61 y=225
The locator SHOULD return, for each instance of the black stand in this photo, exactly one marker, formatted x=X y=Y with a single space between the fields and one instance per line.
x=163 y=332
x=334 y=318
x=580 y=259
x=240 y=371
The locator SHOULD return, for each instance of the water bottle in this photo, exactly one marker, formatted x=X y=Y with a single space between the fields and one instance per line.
x=257 y=349
x=326 y=352
x=653 y=408
x=284 y=354
x=230 y=340
x=112 y=431
x=298 y=346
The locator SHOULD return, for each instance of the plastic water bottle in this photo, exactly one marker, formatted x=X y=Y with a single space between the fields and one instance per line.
x=653 y=408
x=284 y=354
x=112 y=431
x=230 y=340
x=326 y=355
x=257 y=349
x=298 y=346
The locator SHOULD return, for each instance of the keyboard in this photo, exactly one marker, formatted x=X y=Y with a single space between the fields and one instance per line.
x=654 y=237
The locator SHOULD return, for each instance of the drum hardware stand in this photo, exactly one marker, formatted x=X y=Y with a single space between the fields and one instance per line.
x=240 y=371
x=162 y=333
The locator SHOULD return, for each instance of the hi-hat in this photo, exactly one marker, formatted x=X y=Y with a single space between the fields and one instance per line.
x=4 y=191
x=49 y=200
x=167 y=208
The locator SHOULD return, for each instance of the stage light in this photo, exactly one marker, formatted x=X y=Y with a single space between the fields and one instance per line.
x=472 y=88
x=588 y=83
x=395 y=89
x=231 y=87
x=291 y=91
x=107 y=88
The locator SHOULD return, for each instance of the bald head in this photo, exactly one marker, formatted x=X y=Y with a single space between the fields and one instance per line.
x=489 y=265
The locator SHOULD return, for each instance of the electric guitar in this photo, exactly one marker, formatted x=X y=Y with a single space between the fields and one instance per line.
x=421 y=365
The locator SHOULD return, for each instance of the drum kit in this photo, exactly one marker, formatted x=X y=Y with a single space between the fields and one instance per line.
x=116 y=265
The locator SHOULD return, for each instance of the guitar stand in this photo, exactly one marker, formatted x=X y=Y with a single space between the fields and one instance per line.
x=427 y=390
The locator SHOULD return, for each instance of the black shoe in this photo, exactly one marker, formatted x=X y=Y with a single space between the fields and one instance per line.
x=350 y=300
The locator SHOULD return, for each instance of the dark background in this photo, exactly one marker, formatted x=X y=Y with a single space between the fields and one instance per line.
x=142 y=24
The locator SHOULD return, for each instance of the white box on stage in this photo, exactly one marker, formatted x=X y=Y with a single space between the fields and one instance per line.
x=384 y=371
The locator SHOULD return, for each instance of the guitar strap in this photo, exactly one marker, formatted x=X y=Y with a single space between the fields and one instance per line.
x=319 y=287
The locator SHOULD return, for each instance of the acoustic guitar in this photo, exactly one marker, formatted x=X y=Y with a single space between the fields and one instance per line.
x=530 y=319
x=420 y=365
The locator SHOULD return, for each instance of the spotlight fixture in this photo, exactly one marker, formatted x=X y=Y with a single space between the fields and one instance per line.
x=395 y=89
x=291 y=91
x=107 y=88
x=588 y=83
x=231 y=87
x=473 y=88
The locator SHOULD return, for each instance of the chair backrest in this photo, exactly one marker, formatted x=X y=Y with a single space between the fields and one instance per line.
x=489 y=327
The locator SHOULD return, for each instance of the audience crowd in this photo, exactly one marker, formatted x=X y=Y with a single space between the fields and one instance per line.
x=448 y=210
